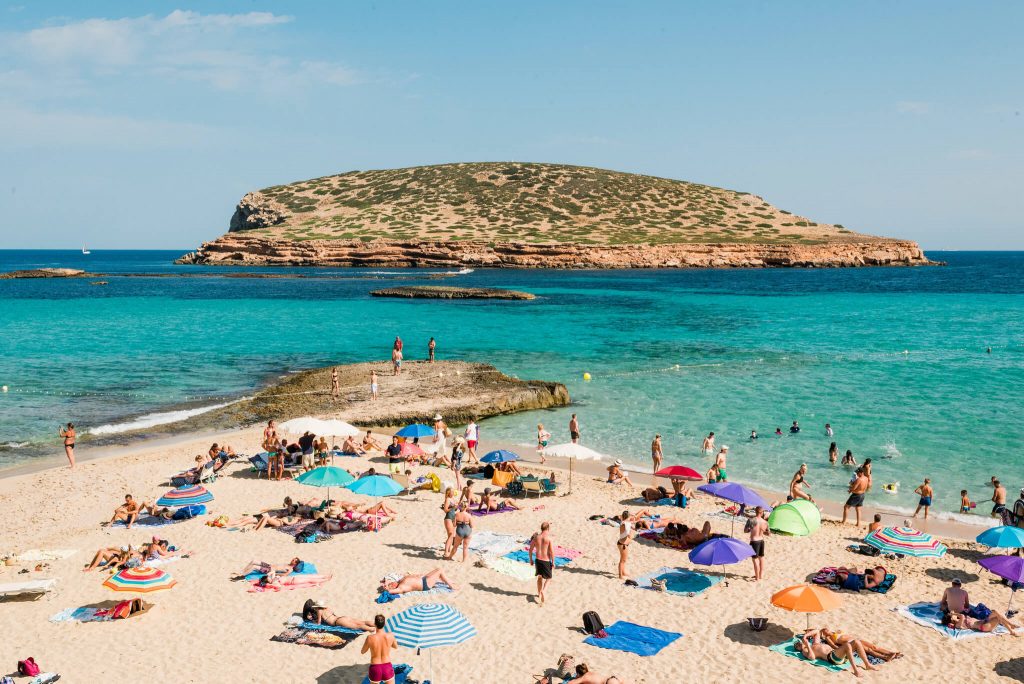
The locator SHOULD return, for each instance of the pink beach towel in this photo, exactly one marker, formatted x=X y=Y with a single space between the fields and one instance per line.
x=289 y=582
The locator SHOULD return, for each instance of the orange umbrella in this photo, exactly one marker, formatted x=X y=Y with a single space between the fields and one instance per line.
x=806 y=598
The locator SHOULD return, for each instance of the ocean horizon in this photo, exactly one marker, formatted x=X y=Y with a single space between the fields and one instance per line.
x=895 y=359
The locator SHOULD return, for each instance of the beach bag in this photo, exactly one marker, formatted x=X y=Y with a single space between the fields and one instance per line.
x=566 y=666
x=980 y=612
x=592 y=623
x=28 y=667
x=188 y=512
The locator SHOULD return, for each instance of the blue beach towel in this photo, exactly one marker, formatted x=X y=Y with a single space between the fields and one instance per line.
x=401 y=674
x=330 y=628
x=524 y=557
x=149 y=521
x=679 y=581
x=632 y=638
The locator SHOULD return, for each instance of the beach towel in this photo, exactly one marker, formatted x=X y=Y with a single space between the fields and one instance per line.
x=479 y=513
x=492 y=543
x=571 y=554
x=388 y=597
x=679 y=581
x=290 y=582
x=789 y=648
x=111 y=610
x=157 y=562
x=148 y=521
x=827 y=577
x=402 y=673
x=930 y=615
x=329 y=628
x=39 y=555
x=521 y=556
x=307 y=569
x=632 y=638
x=520 y=571
x=309 y=637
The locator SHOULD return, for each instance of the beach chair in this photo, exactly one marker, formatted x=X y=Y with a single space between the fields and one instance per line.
x=28 y=587
x=531 y=486
x=548 y=487
x=207 y=473
x=260 y=462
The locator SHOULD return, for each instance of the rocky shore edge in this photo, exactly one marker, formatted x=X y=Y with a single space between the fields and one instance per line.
x=439 y=292
x=235 y=249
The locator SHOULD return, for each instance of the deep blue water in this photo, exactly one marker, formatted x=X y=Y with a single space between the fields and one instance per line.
x=894 y=358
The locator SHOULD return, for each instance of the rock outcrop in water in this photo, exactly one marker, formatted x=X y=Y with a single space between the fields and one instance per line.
x=43 y=273
x=439 y=292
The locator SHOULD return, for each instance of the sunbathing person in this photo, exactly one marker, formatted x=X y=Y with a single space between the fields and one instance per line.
x=690 y=536
x=652 y=494
x=370 y=444
x=243 y=522
x=316 y=612
x=849 y=578
x=836 y=638
x=266 y=568
x=110 y=557
x=615 y=474
x=151 y=509
x=158 y=549
x=585 y=676
x=350 y=448
x=508 y=467
x=994 y=619
x=816 y=645
x=489 y=502
x=416 y=582
x=128 y=512
x=467 y=495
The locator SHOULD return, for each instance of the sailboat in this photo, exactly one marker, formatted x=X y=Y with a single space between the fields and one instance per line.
x=85 y=250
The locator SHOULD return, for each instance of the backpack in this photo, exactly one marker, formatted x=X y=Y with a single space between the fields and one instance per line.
x=28 y=667
x=592 y=622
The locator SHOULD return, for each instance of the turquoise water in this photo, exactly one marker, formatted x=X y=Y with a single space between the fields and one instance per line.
x=894 y=359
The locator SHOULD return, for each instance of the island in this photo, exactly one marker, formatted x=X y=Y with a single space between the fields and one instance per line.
x=528 y=215
x=438 y=292
x=43 y=273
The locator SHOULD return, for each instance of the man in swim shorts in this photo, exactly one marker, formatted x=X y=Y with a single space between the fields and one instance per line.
x=857 y=487
x=926 y=493
x=379 y=644
x=998 y=498
x=542 y=555
x=720 y=464
x=574 y=429
x=758 y=530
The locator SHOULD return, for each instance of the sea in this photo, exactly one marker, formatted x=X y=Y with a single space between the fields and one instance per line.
x=920 y=369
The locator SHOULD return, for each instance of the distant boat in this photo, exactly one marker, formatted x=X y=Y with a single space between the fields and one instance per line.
x=85 y=250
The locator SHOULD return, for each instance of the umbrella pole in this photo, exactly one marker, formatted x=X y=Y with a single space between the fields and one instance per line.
x=1010 y=603
x=570 y=474
x=808 y=622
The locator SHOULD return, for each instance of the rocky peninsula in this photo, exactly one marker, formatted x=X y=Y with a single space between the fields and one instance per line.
x=43 y=273
x=438 y=292
x=523 y=215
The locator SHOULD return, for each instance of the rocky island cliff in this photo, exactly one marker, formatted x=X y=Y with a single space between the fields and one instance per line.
x=519 y=215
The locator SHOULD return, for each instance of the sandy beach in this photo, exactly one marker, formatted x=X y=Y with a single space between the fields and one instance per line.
x=208 y=628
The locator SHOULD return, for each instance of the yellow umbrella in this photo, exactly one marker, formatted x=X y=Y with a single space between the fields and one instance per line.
x=806 y=598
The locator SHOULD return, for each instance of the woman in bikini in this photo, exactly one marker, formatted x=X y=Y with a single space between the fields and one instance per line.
x=68 y=435
x=837 y=639
x=463 y=533
x=316 y=612
x=543 y=436
x=995 y=619
x=585 y=676
x=410 y=583
x=450 y=508
x=797 y=484
x=833 y=453
x=625 y=539
x=110 y=557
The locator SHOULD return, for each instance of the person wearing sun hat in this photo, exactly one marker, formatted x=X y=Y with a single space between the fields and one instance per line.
x=616 y=475
x=441 y=434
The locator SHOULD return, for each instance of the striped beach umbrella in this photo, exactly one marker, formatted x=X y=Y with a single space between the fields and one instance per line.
x=141 y=579
x=905 y=540
x=429 y=625
x=186 y=495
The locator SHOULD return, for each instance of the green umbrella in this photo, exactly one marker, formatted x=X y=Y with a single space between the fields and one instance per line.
x=798 y=517
x=325 y=476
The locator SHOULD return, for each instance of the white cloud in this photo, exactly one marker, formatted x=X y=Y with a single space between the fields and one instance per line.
x=913 y=107
x=973 y=154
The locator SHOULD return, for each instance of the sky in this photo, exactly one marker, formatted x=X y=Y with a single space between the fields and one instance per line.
x=140 y=125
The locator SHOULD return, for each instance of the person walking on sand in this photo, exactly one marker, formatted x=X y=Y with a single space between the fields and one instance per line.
x=542 y=556
x=926 y=492
x=623 y=542
x=758 y=530
x=396 y=361
x=857 y=487
x=374 y=387
x=472 y=437
x=431 y=346
x=656 y=453
x=720 y=459
x=543 y=437
x=708 y=445
x=574 y=429
x=379 y=645
x=335 y=387
x=68 y=435
x=463 y=532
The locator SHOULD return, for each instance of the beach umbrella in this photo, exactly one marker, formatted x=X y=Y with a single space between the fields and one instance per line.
x=411 y=449
x=375 y=485
x=572 y=451
x=1010 y=568
x=338 y=428
x=806 y=598
x=679 y=472
x=1002 y=537
x=499 y=456
x=318 y=426
x=186 y=495
x=905 y=540
x=415 y=430
x=721 y=551
x=142 y=579
x=430 y=625
x=737 y=493
x=325 y=476
x=798 y=518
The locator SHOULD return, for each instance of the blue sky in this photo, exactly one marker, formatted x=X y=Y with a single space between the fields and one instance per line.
x=140 y=125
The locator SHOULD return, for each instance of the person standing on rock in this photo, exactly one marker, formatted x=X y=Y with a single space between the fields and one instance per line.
x=574 y=429
x=431 y=345
x=335 y=387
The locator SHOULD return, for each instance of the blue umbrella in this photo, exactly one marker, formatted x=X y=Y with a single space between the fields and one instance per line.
x=325 y=476
x=721 y=551
x=429 y=625
x=499 y=456
x=415 y=430
x=375 y=485
x=1002 y=537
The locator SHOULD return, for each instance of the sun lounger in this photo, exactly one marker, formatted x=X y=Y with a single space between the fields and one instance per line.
x=531 y=486
x=633 y=638
x=28 y=587
x=548 y=487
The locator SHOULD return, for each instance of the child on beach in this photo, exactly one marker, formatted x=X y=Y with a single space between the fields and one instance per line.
x=966 y=505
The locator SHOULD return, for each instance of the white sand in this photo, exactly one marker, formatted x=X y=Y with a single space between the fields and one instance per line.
x=208 y=629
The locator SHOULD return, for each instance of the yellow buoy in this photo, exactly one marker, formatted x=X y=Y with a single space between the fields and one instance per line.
x=586 y=377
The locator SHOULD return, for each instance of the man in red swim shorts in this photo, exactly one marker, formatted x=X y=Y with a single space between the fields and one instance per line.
x=379 y=644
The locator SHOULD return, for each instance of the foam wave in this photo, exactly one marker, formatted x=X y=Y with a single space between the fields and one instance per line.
x=13 y=445
x=962 y=518
x=154 y=419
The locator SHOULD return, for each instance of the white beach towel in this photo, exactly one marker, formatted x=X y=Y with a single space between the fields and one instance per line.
x=37 y=555
x=38 y=586
x=930 y=615
x=507 y=566
x=491 y=543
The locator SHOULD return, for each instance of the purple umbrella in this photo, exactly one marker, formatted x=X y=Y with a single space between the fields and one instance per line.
x=721 y=551
x=731 y=491
x=1009 y=568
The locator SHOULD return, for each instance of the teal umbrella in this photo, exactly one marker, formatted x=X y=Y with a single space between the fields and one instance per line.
x=375 y=485
x=325 y=476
